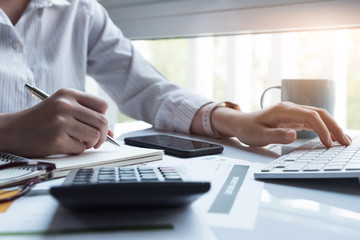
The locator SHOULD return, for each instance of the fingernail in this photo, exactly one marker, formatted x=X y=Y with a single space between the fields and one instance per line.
x=347 y=140
x=330 y=142
x=289 y=135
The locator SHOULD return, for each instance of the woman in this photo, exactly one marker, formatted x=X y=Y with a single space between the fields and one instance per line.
x=54 y=44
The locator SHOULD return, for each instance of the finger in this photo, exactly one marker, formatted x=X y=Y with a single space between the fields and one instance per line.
x=335 y=130
x=85 y=99
x=310 y=118
x=73 y=146
x=316 y=123
x=110 y=133
x=350 y=139
x=295 y=126
x=278 y=135
x=84 y=133
x=95 y=120
x=93 y=102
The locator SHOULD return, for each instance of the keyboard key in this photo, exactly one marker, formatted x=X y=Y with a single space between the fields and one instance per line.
x=294 y=167
x=302 y=161
x=291 y=158
x=314 y=157
x=279 y=166
x=353 y=167
x=333 y=167
x=339 y=162
x=320 y=161
x=313 y=167
x=267 y=169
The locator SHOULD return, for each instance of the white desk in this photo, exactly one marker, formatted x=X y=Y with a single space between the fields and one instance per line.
x=286 y=209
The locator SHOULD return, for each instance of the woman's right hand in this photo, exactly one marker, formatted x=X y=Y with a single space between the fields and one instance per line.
x=68 y=122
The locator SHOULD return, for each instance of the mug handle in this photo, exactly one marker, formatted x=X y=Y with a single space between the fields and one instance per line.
x=263 y=94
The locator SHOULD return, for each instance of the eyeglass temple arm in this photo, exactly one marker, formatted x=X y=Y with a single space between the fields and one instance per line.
x=38 y=165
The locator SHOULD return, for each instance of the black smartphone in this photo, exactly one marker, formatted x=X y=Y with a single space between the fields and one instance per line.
x=176 y=146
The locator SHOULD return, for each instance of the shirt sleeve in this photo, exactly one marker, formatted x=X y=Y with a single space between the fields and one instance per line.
x=140 y=91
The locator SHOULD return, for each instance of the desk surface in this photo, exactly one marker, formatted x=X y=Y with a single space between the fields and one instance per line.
x=286 y=209
x=296 y=209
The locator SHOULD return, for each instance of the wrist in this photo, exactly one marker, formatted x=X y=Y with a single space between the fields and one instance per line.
x=215 y=124
x=211 y=121
x=225 y=121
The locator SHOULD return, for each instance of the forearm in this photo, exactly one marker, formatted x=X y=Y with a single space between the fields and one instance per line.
x=277 y=124
x=3 y=132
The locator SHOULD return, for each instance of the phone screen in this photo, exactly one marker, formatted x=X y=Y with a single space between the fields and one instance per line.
x=175 y=145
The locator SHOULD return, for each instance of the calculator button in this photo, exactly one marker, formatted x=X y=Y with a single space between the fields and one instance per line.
x=107 y=181
x=78 y=182
x=83 y=176
x=126 y=171
x=106 y=170
x=143 y=168
x=82 y=179
x=146 y=171
x=170 y=174
x=106 y=173
x=106 y=176
x=128 y=178
x=149 y=177
x=126 y=168
x=162 y=169
x=173 y=178
x=127 y=174
x=85 y=170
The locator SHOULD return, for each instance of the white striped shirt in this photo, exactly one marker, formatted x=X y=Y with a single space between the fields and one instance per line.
x=57 y=42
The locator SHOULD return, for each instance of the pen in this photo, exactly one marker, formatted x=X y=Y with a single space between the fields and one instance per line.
x=41 y=96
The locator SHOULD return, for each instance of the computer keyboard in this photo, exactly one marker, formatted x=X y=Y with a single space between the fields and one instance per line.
x=314 y=160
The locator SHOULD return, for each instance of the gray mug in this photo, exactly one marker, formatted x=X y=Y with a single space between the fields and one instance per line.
x=312 y=92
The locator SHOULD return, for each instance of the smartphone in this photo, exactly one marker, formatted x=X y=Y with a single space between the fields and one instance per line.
x=176 y=146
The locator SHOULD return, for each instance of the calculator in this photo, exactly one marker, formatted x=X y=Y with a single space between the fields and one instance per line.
x=127 y=187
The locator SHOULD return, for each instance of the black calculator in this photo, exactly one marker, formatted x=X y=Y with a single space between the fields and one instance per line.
x=127 y=187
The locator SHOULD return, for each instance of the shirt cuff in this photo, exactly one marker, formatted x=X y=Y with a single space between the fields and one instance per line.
x=177 y=116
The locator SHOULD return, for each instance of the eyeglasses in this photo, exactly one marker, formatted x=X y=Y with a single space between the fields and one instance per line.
x=44 y=168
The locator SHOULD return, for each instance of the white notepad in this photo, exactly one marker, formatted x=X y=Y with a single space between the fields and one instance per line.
x=107 y=155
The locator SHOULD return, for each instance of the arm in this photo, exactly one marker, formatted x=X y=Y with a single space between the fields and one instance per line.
x=277 y=124
x=68 y=122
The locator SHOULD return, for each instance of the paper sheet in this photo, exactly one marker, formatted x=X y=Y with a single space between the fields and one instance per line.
x=234 y=198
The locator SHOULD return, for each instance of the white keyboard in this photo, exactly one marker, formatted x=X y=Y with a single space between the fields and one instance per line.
x=314 y=160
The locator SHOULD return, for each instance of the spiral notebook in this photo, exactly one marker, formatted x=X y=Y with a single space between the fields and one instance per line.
x=107 y=155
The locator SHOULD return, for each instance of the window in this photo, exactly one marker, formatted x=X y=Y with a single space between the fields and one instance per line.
x=240 y=67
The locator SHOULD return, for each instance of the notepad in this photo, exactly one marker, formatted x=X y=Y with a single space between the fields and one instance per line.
x=107 y=155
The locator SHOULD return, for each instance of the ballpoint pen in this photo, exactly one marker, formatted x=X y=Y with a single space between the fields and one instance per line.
x=41 y=96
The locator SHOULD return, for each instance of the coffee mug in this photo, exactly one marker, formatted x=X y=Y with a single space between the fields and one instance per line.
x=312 y=92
